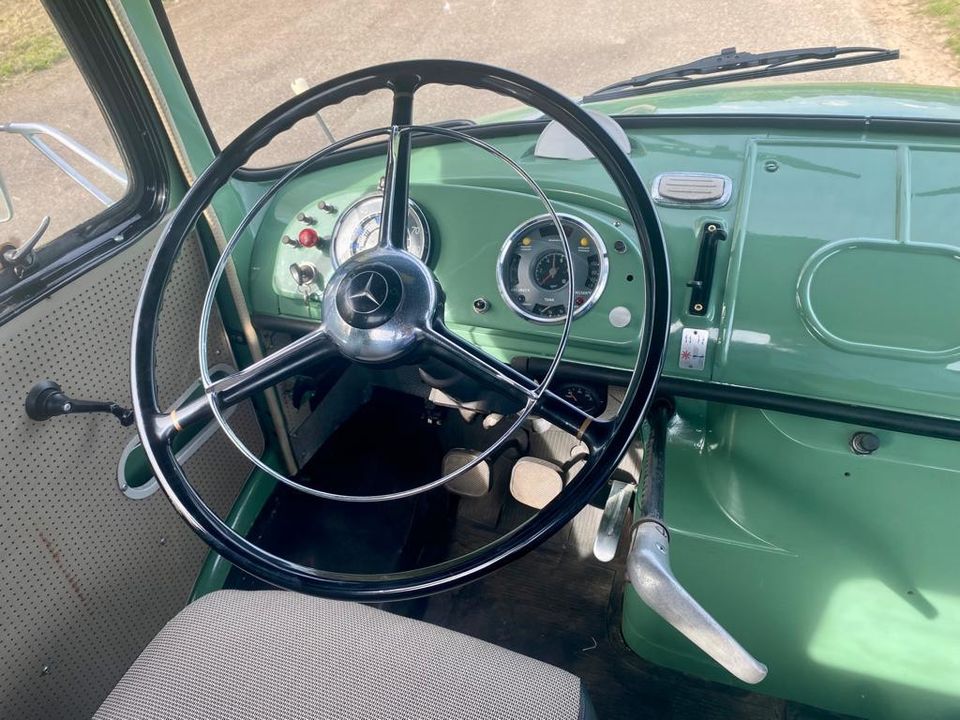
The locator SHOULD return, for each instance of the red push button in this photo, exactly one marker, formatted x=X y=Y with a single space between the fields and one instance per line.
x=308 y=237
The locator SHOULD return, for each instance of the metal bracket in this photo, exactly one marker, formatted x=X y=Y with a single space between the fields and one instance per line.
x=32 y=133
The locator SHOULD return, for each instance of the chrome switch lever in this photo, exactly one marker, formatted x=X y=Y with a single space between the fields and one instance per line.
x=648 y=568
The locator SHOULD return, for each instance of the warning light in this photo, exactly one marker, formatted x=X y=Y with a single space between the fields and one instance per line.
x=526 y=241
x=584 y=242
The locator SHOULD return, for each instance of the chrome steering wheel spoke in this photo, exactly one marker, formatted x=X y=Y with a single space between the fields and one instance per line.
x=396 y=178
x=299 y=356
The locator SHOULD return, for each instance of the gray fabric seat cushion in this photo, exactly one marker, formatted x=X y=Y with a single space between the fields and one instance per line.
x=274 y=654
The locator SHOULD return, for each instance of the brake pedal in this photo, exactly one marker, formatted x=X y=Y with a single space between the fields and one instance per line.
x=535 y=482
x=475 y=482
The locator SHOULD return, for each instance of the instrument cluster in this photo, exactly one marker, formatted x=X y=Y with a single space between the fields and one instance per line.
x=532 y=271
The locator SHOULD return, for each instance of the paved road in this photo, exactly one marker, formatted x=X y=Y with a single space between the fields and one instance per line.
x=244 y=54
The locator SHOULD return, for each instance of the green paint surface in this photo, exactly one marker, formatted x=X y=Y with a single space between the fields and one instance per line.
x=836 y=570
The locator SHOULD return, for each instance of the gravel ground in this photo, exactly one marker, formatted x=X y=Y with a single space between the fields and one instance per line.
x=244 y=54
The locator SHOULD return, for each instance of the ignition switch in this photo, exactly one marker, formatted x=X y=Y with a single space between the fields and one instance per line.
x=303 y=273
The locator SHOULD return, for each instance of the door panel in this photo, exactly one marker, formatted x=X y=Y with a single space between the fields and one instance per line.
x=87 y=575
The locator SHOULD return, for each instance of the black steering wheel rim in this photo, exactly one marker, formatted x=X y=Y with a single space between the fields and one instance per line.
x=401 y=77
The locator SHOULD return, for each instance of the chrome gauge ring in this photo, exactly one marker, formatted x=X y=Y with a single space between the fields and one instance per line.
x=533 y=275
x=357 y=228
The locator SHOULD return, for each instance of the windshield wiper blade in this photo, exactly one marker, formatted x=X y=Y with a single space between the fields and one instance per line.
x=731 y=66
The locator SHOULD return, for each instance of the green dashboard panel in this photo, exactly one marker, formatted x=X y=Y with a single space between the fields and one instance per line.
x=835 y=281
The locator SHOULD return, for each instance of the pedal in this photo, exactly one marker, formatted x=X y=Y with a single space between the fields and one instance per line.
x=475 y=482
x=612 y=521
x=535 y=482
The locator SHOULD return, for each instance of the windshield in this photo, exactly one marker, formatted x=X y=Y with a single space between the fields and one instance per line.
x=245 y=58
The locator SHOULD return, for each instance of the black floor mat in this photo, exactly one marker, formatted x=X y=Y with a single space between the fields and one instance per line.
x=385 y=447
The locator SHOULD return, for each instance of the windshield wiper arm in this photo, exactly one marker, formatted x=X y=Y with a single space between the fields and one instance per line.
x=730 y=66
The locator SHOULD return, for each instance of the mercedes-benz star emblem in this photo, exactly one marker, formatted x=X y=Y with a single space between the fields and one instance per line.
x=367 y=292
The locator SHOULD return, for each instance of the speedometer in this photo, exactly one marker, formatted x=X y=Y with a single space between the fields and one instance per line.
x=533 y=276
x=358 y=229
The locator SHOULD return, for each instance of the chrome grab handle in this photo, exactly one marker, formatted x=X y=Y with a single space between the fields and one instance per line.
x=648 y=567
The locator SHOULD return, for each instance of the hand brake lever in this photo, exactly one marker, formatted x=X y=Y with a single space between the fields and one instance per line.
x=648 y=567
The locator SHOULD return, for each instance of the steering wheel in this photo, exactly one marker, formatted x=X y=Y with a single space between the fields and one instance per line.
x=385 y=306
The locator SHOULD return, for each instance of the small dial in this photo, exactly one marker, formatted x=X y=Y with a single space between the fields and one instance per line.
x=550 y=270
x=586 y=397
x=358 y=230
x=534 y=272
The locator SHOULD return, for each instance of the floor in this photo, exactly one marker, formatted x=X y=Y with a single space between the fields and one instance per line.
x=557 y=603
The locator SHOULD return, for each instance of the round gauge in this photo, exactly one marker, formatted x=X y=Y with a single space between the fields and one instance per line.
x=550 y=270
x=358 y=229
x=533 y=276
x=586 y=397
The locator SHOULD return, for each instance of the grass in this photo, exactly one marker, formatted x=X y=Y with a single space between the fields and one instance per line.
x=948 y=13
x=28 y=40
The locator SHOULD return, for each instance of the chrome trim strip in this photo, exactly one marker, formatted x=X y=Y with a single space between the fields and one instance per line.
x=216 y=229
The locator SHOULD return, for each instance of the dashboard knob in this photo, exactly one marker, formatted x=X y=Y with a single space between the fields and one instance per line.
x=326 y=207
x=308 y=237
x=308 y=219
x=287 y=240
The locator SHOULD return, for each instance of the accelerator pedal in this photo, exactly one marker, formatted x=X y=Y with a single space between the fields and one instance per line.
x=475 y=482
x=535 y=482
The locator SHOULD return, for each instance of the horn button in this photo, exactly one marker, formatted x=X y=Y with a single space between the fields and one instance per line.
x=376 y=302
x=368 y=297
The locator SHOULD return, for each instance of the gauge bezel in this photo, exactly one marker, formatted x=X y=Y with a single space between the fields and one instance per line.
x=417 y=210
x=524 y=228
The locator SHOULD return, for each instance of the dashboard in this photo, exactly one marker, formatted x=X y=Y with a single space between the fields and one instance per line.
x=784 y=239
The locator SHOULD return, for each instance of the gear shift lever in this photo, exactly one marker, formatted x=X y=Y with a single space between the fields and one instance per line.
x=648 y=566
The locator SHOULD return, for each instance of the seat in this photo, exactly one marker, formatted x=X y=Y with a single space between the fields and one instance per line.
x=273 y=654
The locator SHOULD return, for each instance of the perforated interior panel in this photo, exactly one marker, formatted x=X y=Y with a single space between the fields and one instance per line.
x=87 y=575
